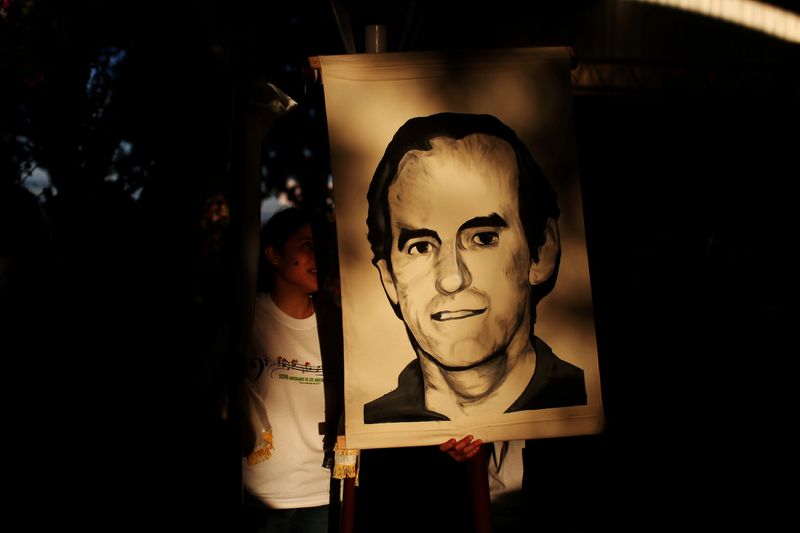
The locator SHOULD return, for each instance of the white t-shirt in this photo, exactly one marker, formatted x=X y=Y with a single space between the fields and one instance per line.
x=286 y=367
x=505 y=468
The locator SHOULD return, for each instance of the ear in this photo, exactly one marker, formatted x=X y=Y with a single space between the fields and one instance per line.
x=548 y=254
x=388 y=281
x=272 y=255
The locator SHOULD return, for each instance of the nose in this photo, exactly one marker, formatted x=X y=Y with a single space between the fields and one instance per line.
x=452 y=274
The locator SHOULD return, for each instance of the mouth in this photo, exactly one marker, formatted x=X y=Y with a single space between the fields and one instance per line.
x=444 y=316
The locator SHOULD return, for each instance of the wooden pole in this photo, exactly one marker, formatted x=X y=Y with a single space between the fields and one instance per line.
x=477 y=468
x=348 y=505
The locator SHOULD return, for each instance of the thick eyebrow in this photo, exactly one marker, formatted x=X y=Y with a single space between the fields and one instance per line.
x=493 y=220
x=408 y=234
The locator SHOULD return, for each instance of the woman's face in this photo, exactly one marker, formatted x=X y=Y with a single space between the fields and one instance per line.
x=296 y=265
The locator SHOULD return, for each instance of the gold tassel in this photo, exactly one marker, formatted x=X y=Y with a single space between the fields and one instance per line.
x=345 y=463
x=263 y=451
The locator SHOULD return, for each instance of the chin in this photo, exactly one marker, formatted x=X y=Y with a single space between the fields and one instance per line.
x=461 y=362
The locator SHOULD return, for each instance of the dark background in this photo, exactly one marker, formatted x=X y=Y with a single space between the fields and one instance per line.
x=118 y=296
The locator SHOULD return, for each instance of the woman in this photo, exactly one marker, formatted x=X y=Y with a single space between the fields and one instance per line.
x=284 y=475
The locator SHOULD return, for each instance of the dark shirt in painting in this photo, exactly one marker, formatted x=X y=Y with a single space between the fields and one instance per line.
x=555 y=383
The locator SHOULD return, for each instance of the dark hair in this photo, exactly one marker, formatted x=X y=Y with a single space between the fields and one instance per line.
x=537 y=199
x=282 y=225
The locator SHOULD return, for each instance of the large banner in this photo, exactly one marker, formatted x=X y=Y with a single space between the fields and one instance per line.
x=464 y=277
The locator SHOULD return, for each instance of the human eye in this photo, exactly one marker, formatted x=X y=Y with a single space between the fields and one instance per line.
x=485 y=238
x=419 y=248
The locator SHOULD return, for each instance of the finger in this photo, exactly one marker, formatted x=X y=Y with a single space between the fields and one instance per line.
x=460 y=445
x=459 y=456
x=472 y=448
x=472 y=453
x=447 y=446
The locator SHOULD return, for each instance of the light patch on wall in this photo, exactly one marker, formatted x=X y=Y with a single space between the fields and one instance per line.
x=754 y=15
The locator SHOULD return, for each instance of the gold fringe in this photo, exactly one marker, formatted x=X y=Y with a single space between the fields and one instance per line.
x=346 y=463
x=263 y=451
x=343 y=471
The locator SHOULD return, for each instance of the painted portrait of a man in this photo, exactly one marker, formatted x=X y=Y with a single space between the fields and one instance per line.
x=463 y=229
x=464 y=276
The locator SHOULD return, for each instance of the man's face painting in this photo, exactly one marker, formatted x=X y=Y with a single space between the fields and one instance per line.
x=459 y=258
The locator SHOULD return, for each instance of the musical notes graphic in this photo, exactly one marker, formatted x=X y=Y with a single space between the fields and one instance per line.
x=259 y=364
